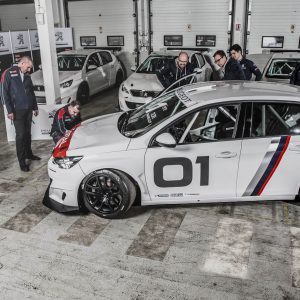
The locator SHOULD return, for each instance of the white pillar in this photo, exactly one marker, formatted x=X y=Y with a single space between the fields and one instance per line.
x=239 y=22
x=45 y=26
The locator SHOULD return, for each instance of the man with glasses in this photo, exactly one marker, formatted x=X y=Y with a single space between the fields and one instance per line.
x=19 y=99
x=230 y=69
x=174 y=70
x=65 y=119
x=247 y=65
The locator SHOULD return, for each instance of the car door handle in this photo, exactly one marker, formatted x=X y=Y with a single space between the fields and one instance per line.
x=226 y=154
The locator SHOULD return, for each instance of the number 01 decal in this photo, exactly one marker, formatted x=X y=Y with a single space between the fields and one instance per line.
x=187 y=167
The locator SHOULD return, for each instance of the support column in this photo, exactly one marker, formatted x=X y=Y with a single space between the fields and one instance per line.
x=45 y=26
x=239 y=22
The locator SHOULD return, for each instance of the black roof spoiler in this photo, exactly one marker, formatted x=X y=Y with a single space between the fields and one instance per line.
x=104 y=48
x=189 y=48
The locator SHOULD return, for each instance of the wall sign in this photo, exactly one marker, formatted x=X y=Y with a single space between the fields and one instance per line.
x=88 y=41
x=173 y=40
x=272 y=42
x=206 y=40
x=115 y=40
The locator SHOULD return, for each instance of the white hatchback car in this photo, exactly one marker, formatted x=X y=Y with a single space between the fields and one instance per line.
x=82 y=73
x=205 y=142
x=143 y=85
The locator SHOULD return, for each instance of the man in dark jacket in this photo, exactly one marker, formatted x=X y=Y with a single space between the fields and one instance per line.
x=19 y=99
x=171 y=71
x=247 y=65
x=230 y=69
x=65 y=119
x=295 y=77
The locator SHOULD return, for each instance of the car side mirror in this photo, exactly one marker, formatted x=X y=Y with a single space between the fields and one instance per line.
x=133 y=68
x=92 y=67
x=166 y=140
x=198 y=70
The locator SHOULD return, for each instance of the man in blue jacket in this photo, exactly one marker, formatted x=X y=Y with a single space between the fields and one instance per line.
x=230 y=68
x=19 y=99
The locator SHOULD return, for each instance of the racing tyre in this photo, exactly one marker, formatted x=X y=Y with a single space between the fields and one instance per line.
x=83 y=93
x=119 y=78
x=108 y=193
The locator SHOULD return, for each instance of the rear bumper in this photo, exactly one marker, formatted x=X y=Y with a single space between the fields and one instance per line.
x=56 y=206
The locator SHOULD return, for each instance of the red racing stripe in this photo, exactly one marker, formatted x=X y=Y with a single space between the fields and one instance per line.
x=275 y=166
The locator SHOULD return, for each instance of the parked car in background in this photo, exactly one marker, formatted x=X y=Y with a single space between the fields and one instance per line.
x=82 y=73
x=143 y=85
x=205 y=142
x=276 y=67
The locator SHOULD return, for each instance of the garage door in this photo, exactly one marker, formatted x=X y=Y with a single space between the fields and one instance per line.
x=190 y=18
x=274 y=18
x=102 y=18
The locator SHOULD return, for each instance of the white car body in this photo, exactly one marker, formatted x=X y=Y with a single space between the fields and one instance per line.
x=143 y=85
x=219 y=142
x=104 y=75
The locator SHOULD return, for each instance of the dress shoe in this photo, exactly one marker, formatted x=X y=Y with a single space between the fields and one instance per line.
x=24 y=168
x=34 y=157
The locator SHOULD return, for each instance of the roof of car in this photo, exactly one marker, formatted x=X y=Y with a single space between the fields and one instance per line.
x=233 y=90
x=173 y=52
x=79 y=52
x=286 y=55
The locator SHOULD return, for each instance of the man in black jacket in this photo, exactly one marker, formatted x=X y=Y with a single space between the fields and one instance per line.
x=19 y=99
x=171 y=71
x=65 y=119
x=230 y=69
x=248 y=66
x=295 y=77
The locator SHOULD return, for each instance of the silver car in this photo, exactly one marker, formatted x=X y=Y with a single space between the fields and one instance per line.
x=143 y=85
x=280 y=67
x=82 y=73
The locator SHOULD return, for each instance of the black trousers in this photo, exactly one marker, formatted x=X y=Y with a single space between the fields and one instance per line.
x=22 y=122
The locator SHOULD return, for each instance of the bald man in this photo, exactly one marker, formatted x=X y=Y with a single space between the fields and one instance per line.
x=171 y=71
x=20 y=102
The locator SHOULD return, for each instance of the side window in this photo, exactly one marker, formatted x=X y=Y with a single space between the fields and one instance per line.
x=201 y=60
x=106 y=57
x=93 y=60
x=271 y=119
x=211 y=124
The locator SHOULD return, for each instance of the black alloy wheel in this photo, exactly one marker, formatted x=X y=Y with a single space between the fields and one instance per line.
x=108 y=193
x=119 y=78
x=83 y=94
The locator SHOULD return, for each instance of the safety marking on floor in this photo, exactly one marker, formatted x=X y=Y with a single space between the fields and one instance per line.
x=27 y=218
x=295 y=245
x=157 y=235
x=229 y=254
x=84 y=230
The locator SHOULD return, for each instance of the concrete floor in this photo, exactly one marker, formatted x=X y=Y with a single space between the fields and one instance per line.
x=226 y=251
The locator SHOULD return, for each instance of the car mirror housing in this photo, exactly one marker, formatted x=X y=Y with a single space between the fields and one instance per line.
x=198 y=70
x=133 y=68
x=166 y=140
x=92 y=67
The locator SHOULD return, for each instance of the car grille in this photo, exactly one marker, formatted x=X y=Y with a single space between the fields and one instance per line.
x=39 y=88
x=133 y=105
x=142 y=93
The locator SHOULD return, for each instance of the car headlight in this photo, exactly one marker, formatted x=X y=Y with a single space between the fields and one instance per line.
x=124 y=89
x=67 y=84
x=66 y=162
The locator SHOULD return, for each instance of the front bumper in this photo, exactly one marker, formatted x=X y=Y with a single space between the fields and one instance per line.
x=56 y=206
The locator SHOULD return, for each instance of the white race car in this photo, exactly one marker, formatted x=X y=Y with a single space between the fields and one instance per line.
x=205 y=142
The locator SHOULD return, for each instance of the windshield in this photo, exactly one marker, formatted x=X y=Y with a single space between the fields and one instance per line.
x=154 y=63
x=281 y=68
x=70 y=62
x=150 y=115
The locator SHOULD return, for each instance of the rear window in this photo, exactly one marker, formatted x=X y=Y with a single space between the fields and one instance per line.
x=281 y=68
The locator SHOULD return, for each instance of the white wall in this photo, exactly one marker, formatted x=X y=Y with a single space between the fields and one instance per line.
x=274 y=18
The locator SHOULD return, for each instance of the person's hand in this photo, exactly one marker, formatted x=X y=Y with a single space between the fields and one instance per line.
x=35 y=112
x=10 y=116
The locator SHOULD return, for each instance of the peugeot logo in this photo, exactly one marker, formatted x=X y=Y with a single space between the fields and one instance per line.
x=145 y=94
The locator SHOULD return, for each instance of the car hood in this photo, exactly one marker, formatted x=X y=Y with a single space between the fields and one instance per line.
x=100 y=132
x=37 y=77
x=142 y=81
